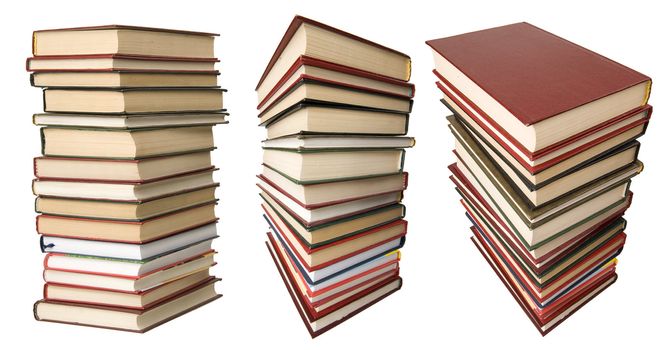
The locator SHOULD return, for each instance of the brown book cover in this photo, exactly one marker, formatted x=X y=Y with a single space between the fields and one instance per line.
x=534 y=74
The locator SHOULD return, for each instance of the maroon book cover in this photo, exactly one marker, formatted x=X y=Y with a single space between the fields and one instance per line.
x=293 y=27
x=534 y=74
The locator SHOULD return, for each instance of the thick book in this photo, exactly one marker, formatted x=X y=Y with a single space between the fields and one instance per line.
x=115 y=62
x=310 y=38
x=129 y=170
x=123 y=39
x=130 y=300
x=125 y=191
x=343 y=313
x=311 y=196
x=124 y=267
x=127 y=211
x=144 y=282
x=124 y=79
x=127 y=250
x=125 y=144
x=133 y=100
x=536 y=88
x=311 y=67
x=127 y=231
x=328 y=165
x=123 y=318
x=334 y=92
x=316 y=117
x=129 y=121
x=310 y=217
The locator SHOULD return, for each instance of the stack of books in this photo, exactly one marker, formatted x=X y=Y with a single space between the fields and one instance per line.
x=126 y=196
x=545 y=151
x=336 y=108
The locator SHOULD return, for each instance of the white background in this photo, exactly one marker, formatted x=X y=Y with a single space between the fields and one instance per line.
x=450 y=295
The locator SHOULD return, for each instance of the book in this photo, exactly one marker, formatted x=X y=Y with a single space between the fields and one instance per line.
x=115 y=62
x=127 y=144
x=121 y=39
x=123 y=318
x=128 y=192
x=320 y=235
x=578 y=151
x=315 y=117
x=127 y=231
x=136 y=171
x=320 y=215
x=124 y=267
x=130 y=283
x=313 y=89
x=128 y=121
x=317 y=166
x=139 y=300
x=132 y=100
x=343 y=313
x=538 y=89
x=124 y=79
x=128 y=250
x=128 y=211
x=317 y=195
x=312 y=142
x=311 y=67
x=310 y=38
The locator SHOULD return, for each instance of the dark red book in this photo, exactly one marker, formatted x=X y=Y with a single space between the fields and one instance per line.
x=299 y=21
x=518 y=76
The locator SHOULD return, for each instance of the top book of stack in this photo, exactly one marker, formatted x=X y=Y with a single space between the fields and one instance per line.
x=315 y=63
x=535 y=92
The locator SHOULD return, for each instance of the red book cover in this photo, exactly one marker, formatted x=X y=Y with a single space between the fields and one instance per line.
x=293 y=27
x=483 y=118
x=534 y=74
